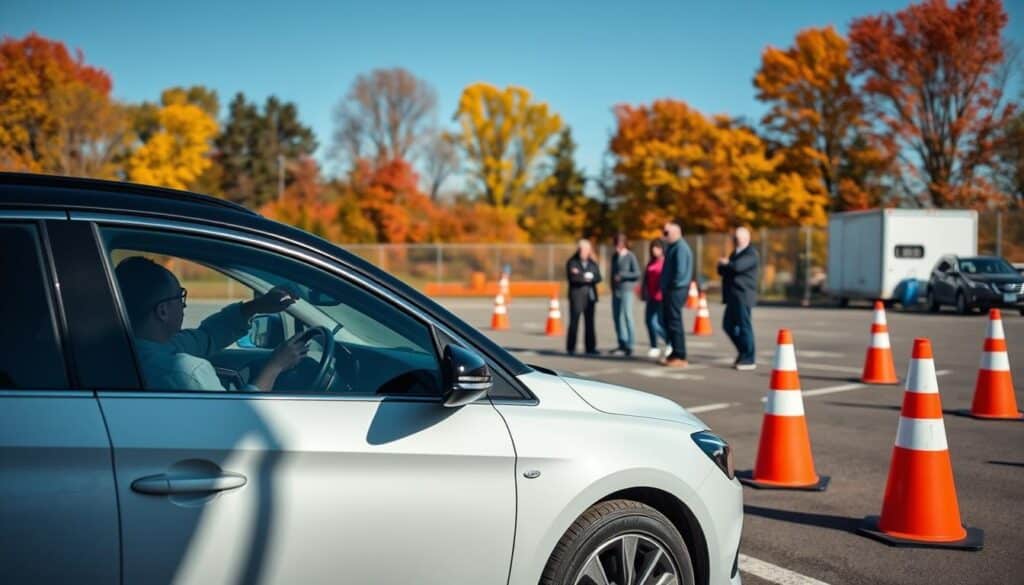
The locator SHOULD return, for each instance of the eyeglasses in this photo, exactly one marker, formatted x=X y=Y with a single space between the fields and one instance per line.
x=182 y=296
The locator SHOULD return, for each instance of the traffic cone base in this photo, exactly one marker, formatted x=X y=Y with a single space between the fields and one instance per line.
x=747 y=479
x=974 y=539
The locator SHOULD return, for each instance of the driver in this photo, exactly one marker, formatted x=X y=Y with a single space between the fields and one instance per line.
x=176 y=359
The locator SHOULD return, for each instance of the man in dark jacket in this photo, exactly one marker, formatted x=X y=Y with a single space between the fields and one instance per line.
x=739 y=292
x=625 y=272
x=675 y=284
x=583 y=274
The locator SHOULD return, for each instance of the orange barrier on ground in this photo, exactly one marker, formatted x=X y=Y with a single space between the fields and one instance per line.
x=516 y=288
x=993 y=390
x=878 y=364
x=784 y=459
x=920 y=507
x=702 y=324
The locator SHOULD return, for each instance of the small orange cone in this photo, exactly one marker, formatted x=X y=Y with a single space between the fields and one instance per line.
x=993 y=392
x=920 y=506
x=693 y=297
x=499 y=319
x=503 y=288
x=784 y=459
x=702 y=324
x=878 y=364
x=554 y=324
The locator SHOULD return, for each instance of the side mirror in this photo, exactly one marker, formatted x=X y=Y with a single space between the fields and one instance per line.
x=467 y=376
x=265 y=332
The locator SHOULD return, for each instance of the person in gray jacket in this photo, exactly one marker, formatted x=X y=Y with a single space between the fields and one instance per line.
x=739 y=292
x=675 y=284
x=625 y=272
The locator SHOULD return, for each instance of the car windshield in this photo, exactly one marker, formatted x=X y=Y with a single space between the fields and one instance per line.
x=986 y=266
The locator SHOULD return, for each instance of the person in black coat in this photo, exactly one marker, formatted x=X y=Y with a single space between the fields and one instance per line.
x=739 y=292
x=583 y=274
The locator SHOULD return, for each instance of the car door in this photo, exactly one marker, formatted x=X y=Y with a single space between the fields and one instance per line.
x=58 y=507
x=307 y=487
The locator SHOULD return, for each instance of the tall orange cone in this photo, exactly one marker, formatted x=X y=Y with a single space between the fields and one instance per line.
x=878 y=364
x=993 y=391
x=920 y=506
x=554 y=324
x=702 y=324
x=784 y=459
x=693 y=297
x=499 y=319
x=503 y=288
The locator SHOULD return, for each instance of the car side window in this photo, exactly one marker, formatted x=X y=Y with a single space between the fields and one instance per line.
x=214 y=315
x=30 y=354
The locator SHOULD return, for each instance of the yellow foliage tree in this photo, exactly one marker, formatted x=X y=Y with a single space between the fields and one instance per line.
x=177 y=153
x=817 y=115
x=710 y=173
x=504 y=135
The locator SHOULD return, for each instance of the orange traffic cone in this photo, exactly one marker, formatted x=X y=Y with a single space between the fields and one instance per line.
x=878 y=364
x=554 y=324
x=693 y=297
x=499 y=319
x=702 y=324
x=993 y=392
x=784 y=459
x=920 y=506
x=503 y=288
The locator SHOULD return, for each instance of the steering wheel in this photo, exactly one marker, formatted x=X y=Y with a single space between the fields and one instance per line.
x=325 y=368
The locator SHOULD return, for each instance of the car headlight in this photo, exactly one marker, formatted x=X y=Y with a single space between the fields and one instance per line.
x=717 y=449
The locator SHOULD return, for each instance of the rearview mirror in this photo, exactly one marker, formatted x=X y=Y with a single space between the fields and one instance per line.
x=467 y=376
x=265 y=332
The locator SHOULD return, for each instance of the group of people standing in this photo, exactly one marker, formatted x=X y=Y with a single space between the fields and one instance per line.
x=663 y=285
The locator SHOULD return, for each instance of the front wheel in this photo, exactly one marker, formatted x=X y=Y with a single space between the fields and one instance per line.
x=933 y=303
x=620 y=541
x=961 y=304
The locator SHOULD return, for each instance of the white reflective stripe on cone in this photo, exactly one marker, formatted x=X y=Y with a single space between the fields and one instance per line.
x=921 y=377
x=500 y=309
x=880 y=340
x=997 y=361
x=784 y=403
x=921 y=434
x=879 y=317
x=785 y=359
x=995 y=329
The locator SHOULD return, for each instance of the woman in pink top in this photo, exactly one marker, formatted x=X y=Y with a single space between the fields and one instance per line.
x=651 y=292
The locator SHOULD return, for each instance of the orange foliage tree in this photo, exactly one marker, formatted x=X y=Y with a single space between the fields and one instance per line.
x=56 y=114
x=816 y=114
x=710 y=173
x=932 y=73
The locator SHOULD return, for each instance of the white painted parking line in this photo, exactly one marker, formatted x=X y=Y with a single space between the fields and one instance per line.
x=847 y=387
x=774 y=573
x=828 y=367
x=711 y=407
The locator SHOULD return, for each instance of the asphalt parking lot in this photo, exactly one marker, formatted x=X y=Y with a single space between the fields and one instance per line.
x=800 y=537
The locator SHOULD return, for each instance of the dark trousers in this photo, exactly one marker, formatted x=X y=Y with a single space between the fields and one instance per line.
x=672 y=320
x=584 y=308
x=740 y=329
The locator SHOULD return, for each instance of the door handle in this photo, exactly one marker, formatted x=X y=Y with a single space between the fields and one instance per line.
x=164 y=485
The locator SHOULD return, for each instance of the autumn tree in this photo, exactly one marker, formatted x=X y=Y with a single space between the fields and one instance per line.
x=440 y=161
x=56 y=113
x=505 y=136
x=561 y=212
x=931 y=73
x=253 y=145
x=389 y=198
x=1009 y=159
x=710 y=173
x=176 y=150
x=816 y=115
x=383 y=117
x=306 y=205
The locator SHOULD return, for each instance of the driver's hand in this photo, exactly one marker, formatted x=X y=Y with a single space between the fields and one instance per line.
x=274 y=300
x=288 y=354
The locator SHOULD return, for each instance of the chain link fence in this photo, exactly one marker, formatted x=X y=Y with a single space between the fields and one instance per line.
x=793 y=260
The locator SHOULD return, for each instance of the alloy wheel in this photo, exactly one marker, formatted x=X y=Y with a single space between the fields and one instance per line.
x=629 y=559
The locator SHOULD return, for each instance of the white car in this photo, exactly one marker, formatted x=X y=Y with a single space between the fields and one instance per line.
x=405 y=448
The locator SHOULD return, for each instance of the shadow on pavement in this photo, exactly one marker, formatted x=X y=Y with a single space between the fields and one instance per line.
x=844 y=523
x=1006 y=463
x=894 y=407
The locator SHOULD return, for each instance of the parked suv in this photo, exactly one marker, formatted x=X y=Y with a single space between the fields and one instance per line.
x=404 y=447
x=974 y=282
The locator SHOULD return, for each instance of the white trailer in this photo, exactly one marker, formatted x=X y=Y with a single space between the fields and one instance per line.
x=870 y=252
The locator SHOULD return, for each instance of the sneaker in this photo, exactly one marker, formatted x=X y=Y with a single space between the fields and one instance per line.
x=617 y=351
x=676 y=363
x=667 y=351
x=746 y=366
x=654 y=353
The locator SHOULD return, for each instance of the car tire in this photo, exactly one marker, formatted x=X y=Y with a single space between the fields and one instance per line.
x=961 y=304
x=933 y=304
x=597 y=536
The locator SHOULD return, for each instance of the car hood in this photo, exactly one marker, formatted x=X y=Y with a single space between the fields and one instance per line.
x=996 y=278
x=614 y=399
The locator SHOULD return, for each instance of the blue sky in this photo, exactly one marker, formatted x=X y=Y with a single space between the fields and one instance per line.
x=581 y=57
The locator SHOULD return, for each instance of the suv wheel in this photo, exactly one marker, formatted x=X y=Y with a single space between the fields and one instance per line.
x=961 y=304
x=933 y=303
x=620 y=541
